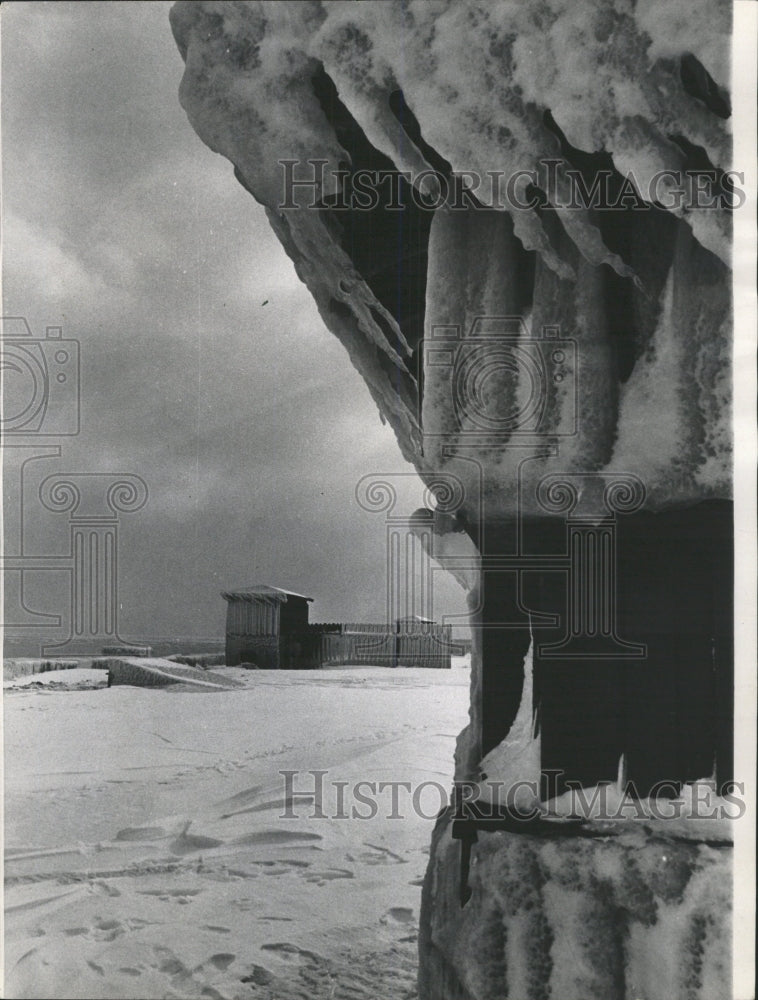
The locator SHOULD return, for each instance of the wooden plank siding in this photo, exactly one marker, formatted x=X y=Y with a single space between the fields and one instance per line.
x=258 y=616
x=270 y=628
x=380 y=645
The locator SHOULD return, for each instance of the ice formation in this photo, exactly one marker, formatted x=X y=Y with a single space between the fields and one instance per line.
x=629 y=916
x=624 y=332
x=504 y=87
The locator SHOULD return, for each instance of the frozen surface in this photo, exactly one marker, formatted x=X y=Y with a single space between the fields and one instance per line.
x=70 y=679
x=146 y=856
x=633 y=915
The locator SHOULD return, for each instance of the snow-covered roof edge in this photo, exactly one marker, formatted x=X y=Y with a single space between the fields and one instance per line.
x=261 y=590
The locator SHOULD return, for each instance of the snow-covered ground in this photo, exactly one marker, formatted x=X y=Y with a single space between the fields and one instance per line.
x=147 y=856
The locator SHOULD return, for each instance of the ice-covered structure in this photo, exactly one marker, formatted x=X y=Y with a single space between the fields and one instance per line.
x=516 y=218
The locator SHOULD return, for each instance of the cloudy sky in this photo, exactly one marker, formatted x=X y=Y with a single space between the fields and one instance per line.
x=246 y=421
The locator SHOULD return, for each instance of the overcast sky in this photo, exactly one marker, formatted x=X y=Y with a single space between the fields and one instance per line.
x=247 y=421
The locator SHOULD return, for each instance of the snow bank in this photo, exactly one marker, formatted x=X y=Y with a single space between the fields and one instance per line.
x=154 y=672
x=25 y=666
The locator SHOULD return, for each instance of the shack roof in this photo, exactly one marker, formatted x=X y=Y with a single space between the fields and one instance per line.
x=261 y=590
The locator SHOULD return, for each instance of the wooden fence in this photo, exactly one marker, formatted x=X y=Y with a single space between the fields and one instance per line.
x=383 y=646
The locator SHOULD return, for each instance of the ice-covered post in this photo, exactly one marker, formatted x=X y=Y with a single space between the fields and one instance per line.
x=551 y=163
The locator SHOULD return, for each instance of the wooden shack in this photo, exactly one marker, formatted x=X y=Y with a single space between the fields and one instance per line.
x=269 y=627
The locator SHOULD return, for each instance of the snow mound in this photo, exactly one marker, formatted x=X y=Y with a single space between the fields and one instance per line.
x=155 y=672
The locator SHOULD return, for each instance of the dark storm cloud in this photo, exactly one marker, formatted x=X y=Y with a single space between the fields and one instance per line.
x=248 y=423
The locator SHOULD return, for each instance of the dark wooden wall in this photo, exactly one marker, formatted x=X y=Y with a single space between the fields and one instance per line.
x=670 y=712
x=293 y=615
